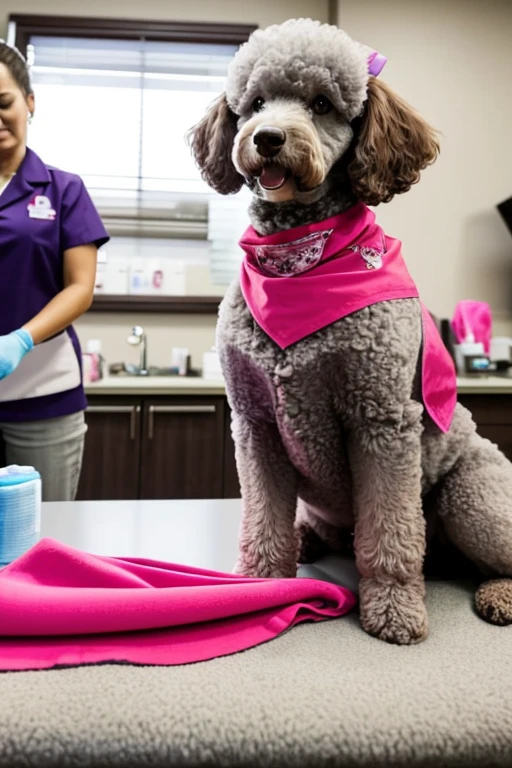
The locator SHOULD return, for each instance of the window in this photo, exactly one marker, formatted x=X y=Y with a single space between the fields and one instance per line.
x=115 y=109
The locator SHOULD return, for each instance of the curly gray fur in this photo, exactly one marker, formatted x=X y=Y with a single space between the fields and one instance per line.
x=267 y=217
x=298 y=59
x=331 y=435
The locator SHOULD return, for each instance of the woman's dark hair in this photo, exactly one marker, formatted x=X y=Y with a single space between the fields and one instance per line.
x=17 y=66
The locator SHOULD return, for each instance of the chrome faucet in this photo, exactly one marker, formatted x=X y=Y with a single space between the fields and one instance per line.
x=138 y=336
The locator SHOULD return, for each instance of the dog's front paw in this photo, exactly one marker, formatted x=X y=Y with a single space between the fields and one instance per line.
x=394 y=612
x=262 y=569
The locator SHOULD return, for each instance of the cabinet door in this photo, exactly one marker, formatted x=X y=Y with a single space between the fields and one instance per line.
x=501 y=434
x=183 y=448
x=493 y=416
x=110 y=468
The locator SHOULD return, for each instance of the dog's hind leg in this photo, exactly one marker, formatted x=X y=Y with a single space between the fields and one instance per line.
x=475 y=504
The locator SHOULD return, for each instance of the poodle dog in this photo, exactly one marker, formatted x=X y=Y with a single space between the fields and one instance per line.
x=332 y=430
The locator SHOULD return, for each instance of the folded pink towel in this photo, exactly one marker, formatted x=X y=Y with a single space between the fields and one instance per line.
x=60 y=606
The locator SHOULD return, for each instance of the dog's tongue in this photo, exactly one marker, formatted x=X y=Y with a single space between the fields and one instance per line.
x=273 y=176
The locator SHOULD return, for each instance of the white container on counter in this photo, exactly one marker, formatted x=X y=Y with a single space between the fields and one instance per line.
x=211 y=366
x=157 y=277
x=99 y=282
x=501 y=347
x=116 y=278
x=175 y=281
x=467 y=349
x=180 y=359
x=140 y=278
x=92 y=362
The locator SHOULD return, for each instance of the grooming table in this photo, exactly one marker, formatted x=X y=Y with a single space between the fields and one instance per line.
x=320 y=695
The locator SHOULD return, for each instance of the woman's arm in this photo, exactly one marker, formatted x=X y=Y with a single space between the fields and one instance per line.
x=73 y=300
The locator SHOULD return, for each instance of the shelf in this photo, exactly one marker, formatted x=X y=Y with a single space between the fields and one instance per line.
x=203 y=305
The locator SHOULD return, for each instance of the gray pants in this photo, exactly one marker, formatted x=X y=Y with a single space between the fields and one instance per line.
x=53 y=446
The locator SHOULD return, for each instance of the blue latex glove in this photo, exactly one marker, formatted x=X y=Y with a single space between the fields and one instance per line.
x=13 y=349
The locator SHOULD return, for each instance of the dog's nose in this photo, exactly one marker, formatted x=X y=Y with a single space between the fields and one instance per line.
x=269 y=140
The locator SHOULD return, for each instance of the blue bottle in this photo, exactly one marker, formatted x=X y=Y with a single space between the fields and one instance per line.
x=20 y=511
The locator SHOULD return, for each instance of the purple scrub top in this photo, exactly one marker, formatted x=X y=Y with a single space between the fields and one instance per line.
x=43 y=212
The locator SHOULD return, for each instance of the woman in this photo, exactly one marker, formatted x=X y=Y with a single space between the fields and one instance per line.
x=49 y=236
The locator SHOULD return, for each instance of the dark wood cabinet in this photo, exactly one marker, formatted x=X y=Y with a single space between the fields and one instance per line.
x=493 y=416
x=182 y=448
x=158 y=448
x=499 y=434
x=111 y=464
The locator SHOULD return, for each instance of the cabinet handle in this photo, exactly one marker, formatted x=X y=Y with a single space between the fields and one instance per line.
x=133 y=410
x=176 y=409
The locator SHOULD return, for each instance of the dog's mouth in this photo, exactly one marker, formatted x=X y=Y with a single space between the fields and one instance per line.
x=273 y=176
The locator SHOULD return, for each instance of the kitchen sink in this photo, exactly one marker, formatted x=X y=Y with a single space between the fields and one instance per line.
x=138 y=338
x=128 y=369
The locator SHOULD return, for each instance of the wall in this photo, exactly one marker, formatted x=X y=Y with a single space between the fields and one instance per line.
x=453 y=61
x=164 y=331
x=261 y=12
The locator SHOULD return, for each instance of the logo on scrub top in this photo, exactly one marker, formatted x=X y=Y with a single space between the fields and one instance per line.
x=40 y=207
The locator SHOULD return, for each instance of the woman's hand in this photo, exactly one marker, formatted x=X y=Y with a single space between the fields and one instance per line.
x=13 y=349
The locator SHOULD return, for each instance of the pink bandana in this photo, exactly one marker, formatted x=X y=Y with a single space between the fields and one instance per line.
x=301 y=280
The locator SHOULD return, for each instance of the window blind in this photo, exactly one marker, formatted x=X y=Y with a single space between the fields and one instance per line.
x=116 y=112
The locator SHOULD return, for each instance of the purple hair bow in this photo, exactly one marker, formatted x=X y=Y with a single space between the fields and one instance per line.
x=376 y=63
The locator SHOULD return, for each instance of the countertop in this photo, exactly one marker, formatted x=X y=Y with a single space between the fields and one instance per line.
x=177 y=385
x=203 y=533
x=156 y=385
x=443 y=701
x=480 y=384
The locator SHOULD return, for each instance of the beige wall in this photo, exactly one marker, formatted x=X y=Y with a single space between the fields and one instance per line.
x=261 y=12
x=452 y=59
x=164 y=331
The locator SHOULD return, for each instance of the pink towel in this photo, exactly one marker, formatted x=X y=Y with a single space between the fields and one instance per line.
x=62 y=607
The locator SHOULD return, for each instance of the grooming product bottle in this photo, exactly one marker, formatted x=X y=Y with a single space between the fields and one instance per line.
x=20 y=511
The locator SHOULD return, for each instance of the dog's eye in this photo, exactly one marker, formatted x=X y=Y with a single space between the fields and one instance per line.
x=321 y=105
x=258 y=104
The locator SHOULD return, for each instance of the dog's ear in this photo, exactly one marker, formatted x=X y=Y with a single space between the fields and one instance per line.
x=392 y=146
x=211 y=141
